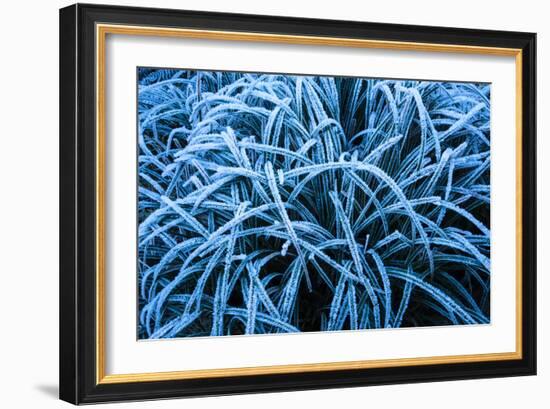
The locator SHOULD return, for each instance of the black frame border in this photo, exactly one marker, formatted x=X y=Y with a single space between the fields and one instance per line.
x=78 y=210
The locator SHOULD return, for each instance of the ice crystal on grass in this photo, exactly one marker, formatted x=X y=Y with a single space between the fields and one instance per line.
x=274 y=203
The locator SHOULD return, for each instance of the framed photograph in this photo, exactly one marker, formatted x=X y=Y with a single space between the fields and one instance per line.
x=258 y=203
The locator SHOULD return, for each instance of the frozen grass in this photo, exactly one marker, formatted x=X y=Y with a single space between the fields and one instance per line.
x=279 y=203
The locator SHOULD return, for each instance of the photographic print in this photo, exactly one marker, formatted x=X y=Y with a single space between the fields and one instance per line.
x=275 y=203
x=256 y=204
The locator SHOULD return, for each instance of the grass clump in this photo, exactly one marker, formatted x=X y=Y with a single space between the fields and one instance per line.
x=281 y=203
